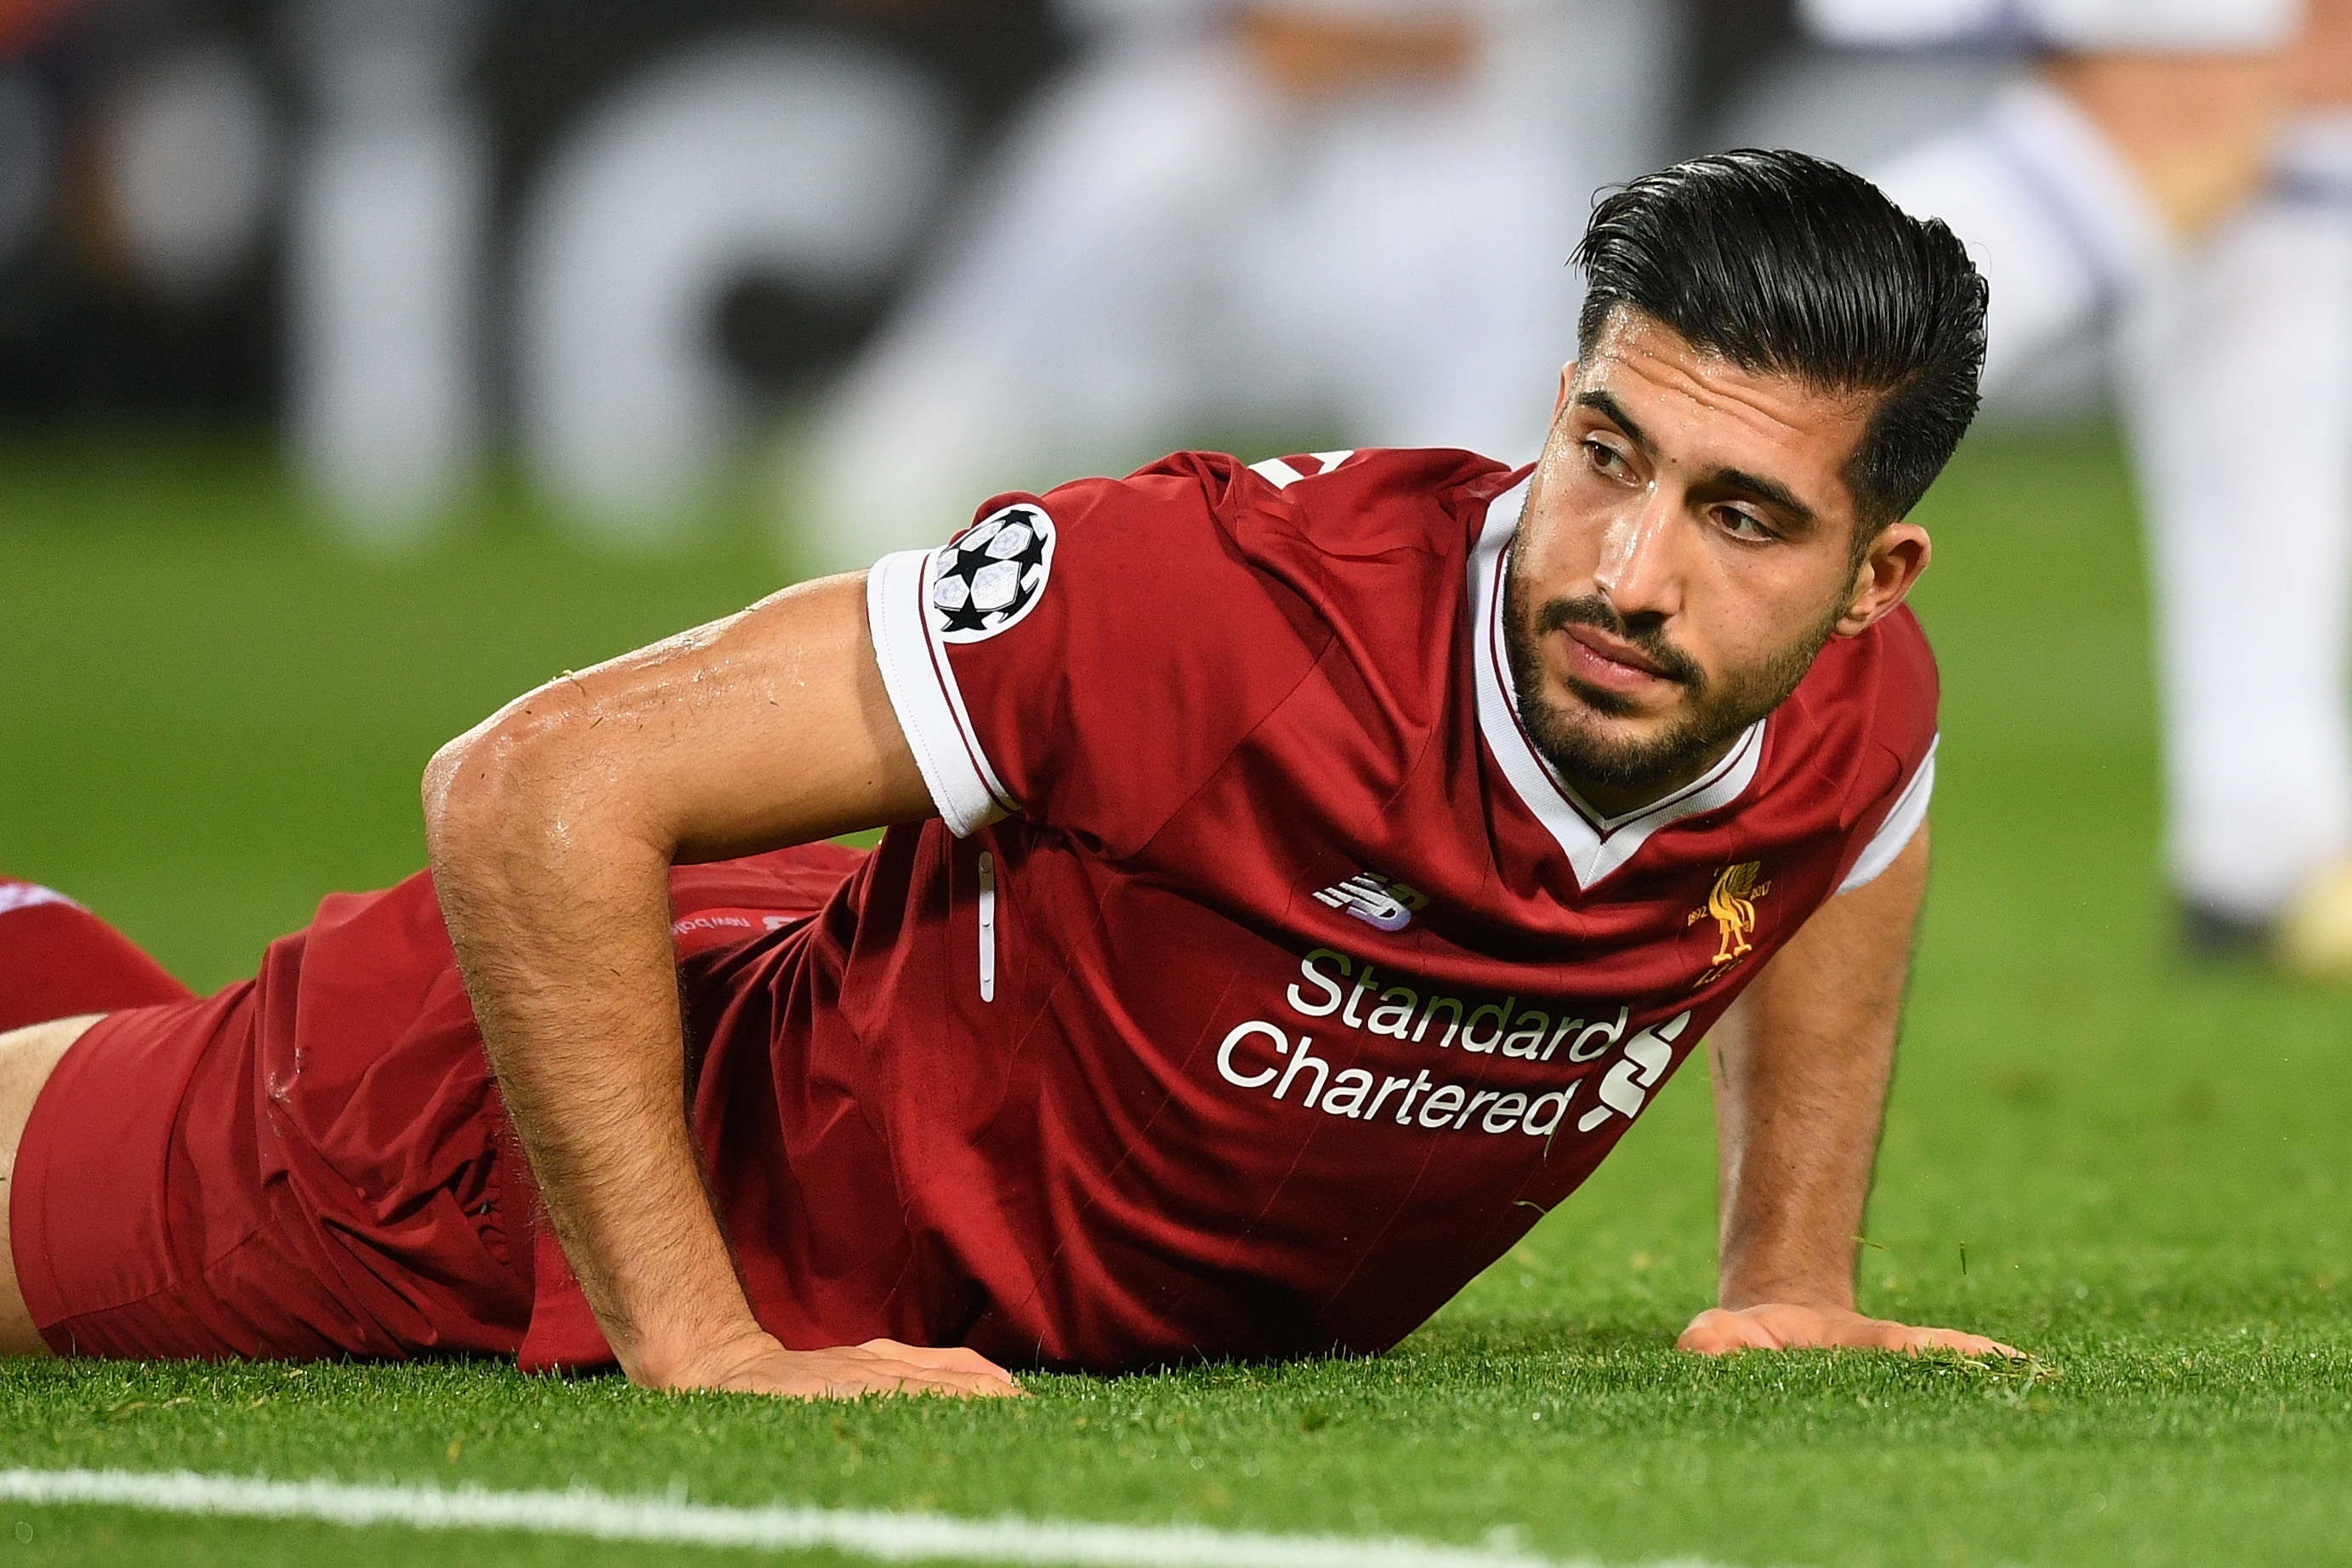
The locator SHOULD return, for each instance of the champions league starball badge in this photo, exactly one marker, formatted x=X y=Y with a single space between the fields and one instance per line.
x=992 y=574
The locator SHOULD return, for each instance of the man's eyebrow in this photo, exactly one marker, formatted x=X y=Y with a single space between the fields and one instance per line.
x=1772 y=492
x=1608 y=409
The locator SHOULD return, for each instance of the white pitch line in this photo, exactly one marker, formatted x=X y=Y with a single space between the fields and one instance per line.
x=892 y=1537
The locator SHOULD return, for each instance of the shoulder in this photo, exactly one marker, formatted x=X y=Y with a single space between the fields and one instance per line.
x=1376 y=545
x=1327 y=541
x=1863 y=719
x=1355 y=505
x=1886 y=676
x=1891 y=666
x=1343 y=503
x=1090 y=655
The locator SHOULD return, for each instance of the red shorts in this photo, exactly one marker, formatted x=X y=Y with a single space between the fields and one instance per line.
x=317 y=1163
x=168 y=1203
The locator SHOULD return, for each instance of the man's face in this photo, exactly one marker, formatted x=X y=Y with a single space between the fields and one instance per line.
x=1687 y=548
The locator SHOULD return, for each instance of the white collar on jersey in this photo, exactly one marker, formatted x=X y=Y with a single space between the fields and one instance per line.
x=1595 y=845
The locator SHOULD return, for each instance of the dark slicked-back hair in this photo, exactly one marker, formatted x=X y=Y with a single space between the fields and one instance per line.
x=1789 y=265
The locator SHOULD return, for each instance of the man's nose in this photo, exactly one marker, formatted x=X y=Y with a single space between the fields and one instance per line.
x=1638 y=571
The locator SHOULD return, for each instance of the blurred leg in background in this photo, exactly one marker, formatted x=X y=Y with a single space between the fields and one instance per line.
x=1338 y=219
x=2236 y=382
x=2179 y=177
x=1064 y=310
x=2143 y=127
x=804 y=161
x=388 y=239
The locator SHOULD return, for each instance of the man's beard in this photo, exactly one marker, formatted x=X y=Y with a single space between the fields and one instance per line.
x=1712 y=713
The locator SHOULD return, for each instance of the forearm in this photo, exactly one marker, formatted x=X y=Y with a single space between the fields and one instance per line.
x=1800 y=1071
x=552 y=826
x=590 y=1056
x=1795 y=1171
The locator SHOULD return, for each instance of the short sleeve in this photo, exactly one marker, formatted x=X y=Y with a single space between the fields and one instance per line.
x=923 y=693
x=1900 y=825
x=1086 y=659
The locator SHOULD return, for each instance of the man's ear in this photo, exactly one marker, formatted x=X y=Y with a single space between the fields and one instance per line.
x=1567 y=390
x=1897 y=557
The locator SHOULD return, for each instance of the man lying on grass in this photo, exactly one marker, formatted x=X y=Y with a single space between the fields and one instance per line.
x=1300 y=877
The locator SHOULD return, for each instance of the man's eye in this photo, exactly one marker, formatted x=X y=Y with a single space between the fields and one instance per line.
x=1742 y=524
x=1605 y=458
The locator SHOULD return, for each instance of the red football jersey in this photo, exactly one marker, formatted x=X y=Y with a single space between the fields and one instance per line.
x=1259 y=982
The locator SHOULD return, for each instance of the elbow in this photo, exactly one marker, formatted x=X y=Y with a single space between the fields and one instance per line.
x=469 y=789
x=498 y=787
x=453 y=782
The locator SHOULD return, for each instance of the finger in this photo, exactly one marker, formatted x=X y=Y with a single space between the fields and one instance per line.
x=926 y=1381
x=967 y=1360
x=974 y=1365
x=988 y=1386
x=1861 y=1334
x=1717 y=1332
x=991 y=1380
x=1782 y=1326
x=1878 y=1333
x=1965 y=1344
x=891 y=1376
x=957 y=1357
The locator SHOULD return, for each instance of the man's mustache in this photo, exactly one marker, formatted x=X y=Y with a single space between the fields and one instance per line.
x=1592 y=610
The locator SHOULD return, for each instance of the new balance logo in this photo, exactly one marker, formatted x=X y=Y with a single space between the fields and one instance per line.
x=1375 y=900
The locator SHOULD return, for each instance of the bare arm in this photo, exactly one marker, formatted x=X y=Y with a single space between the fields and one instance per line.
x=1800 y=1066
x=552 y=826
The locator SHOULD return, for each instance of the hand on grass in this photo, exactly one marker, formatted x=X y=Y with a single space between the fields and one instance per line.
x=759 y=1363
x=1779 y=1326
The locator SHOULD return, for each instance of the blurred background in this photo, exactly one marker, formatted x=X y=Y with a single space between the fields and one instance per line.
x=363 y=361
x=622 y=245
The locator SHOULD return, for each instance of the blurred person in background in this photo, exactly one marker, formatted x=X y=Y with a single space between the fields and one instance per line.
x=2178 y=174
x=720 y=207
x=411 y=231
x=1302 y=217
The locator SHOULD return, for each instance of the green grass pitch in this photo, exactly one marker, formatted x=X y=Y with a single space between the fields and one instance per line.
x=2133 y=1165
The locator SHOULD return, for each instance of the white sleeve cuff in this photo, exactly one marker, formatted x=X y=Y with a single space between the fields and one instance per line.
x=922 y=687
x=1902 y=825
x=2192 y=26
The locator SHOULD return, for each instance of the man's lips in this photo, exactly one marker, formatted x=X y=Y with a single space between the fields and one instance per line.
x=1596 y=657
